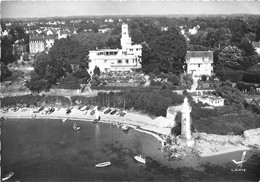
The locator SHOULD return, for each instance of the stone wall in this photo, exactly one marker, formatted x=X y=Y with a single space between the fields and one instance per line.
x=232 y=139
x=250 y=137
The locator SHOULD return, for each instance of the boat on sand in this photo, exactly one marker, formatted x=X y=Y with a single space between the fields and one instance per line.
x=103 y=164
x=8 y=176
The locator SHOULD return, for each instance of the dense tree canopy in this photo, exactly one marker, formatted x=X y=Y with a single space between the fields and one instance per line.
x=5 y=72
x=231 y=57
x=7 y=55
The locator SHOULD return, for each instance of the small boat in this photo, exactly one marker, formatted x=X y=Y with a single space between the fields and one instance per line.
x=92 y=112
x=8 y=176
x=15 y=109
x=107 y=111
x=76 y=127
x=125 y=128
x=64 y=120
x=103 y=164
x=113 y=112
x=140 y=159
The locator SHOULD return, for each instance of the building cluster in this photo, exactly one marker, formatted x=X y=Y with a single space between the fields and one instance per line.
x=43 y=42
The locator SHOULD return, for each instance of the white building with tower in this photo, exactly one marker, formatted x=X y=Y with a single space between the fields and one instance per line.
x=124 y=59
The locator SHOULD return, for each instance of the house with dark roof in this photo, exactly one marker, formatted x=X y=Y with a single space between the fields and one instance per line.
x=199 y=63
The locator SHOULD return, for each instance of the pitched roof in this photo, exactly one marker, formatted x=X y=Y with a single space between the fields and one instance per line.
x=43 y=37
x=256 y=44
x=200 y=54
x=39 y=37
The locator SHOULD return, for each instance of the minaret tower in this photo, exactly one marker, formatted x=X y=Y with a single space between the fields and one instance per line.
x=125 y=39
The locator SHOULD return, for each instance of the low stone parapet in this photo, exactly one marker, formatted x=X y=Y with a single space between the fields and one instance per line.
x=233 y=139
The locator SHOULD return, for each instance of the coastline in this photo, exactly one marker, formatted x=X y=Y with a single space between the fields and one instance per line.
x=139 y=122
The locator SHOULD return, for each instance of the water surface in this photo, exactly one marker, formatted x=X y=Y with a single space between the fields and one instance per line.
x=50 y=150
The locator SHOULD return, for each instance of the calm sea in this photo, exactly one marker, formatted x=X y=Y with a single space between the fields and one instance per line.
x=49 y=150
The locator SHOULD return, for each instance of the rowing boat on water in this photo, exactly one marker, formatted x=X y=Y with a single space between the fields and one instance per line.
x=140 y=159
x=103 y=164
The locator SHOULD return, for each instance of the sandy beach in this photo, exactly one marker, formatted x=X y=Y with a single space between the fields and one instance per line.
x=158 y=127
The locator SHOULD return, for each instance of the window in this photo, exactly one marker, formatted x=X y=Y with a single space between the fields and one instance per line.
x=198 y=65
x=126 y=61
x=119 y=61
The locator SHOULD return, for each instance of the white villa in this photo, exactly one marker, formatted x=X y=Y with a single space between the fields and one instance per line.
x=127 y=58
x=210 y=100
x=199 y=63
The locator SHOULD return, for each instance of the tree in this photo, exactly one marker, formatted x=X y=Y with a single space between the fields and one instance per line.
x=250 y=61
x=173 y=79
x=231 y=57
x=67 y=52
x=7 y=54
x=230 y=94
x=257 y=38
x=96 y=71
x=26 y=56
x=69 y=82
x=204 y=78
x=41 y=64
x=37 y=84
x=171 y=48
x=247 y=47
x=81 y=73
x=5 y=72
x=137 y=36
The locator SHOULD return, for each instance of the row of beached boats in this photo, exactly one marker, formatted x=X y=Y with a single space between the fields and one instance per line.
x=6 y=109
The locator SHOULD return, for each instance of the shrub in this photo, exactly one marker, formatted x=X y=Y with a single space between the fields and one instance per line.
x=21 y=100
x=173 y=79
x=204 y=78
x=69 y=82
x=5 y=72
x=96 y=71
x=252 y=77
x=232 y=75
x=245 y=86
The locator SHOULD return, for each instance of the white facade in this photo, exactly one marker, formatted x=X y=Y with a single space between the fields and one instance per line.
x=36 y=46
x=41 y=43
x=199 y=63
x=210 y=100
x=127 y=58
x=49 y=43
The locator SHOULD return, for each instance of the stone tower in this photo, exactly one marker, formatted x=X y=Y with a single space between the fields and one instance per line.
x=125 y=39
x=185 y=120
x=185 y=138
